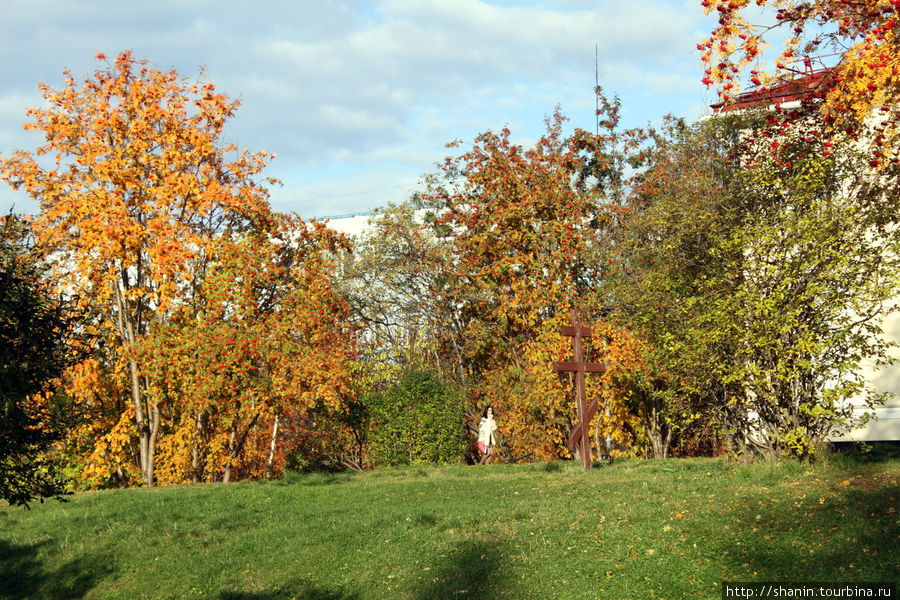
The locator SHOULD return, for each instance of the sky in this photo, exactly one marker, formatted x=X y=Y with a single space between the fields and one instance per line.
x=358 y=99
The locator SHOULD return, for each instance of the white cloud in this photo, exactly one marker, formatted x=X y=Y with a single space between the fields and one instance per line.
x=337 y=86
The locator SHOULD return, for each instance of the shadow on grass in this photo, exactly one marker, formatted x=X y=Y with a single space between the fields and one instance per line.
x=472 y=570
x=843 y=534
x=299 y=590
x=311 y=479
x=851 y=454
x=22 y=574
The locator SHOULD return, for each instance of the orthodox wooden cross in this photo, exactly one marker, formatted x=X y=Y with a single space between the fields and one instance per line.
x=580 y=435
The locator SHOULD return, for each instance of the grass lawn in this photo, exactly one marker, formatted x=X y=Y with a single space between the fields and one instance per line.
x=633 y=529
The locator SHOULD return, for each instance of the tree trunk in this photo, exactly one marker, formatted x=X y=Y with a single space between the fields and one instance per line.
x=271 y=460
x=154 y=423
x=659 y=435
x=196 y=475
x=235 y=447
x=145 y=419
x=226 y=473
x=142 y=424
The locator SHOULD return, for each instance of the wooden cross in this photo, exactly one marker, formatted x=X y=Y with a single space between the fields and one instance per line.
x=579 y=367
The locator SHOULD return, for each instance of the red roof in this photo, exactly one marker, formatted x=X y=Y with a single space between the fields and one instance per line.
x=777 y=94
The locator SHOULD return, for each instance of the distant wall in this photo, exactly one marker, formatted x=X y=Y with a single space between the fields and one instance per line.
x=352 y=224
x=886 y=424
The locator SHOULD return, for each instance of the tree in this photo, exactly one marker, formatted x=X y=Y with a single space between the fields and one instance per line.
x=665 y=260
x=393 y=282
x=398 y=282
x=520 y=226
x=818 y=255
x=866 y=34
x=266 y=338
x=138 y=189
x=767 y=254
x=35 y=328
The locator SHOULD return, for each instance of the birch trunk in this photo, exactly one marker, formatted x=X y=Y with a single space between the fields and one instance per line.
x=271 y=460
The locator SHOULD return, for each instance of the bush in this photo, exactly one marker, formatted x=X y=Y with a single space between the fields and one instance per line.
x=35 y=328
x=417 y=420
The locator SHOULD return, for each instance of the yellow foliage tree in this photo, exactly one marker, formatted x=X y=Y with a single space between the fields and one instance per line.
x=521 y=228
x=137 y=188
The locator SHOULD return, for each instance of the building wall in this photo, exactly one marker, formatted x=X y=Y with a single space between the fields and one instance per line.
x=885 y=426
x=352 y=224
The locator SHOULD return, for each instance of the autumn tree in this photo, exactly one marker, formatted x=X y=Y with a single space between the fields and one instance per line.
x=866 y=34
x=398 y=280
x=36 y=327
x=819 y=261
x=768 y=254
x=665 y=263
x=134 y=185
x=518 y=224
x=264 y=342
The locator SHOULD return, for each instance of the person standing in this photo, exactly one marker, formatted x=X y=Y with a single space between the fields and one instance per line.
x=486 y=428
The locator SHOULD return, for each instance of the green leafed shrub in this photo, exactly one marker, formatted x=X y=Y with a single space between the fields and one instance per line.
x=416 y=420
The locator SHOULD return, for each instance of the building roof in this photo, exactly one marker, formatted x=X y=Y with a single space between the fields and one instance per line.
x=811 y=79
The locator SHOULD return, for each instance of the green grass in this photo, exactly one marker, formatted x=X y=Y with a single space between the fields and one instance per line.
x=633 y=529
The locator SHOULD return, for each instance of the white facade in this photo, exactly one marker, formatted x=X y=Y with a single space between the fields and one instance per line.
x=885 y=424
x=352 y=224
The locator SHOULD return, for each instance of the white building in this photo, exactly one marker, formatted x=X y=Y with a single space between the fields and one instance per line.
x=352 y=224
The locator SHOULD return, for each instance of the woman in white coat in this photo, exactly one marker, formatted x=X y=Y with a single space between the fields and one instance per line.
x=486 y=428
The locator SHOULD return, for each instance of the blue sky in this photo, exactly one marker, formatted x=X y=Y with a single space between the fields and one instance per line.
x=359 y=98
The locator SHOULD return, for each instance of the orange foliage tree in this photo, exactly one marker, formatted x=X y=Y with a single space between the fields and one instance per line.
x=866 y=33
x=521 y=226
x=264 y=339
x=134 y=188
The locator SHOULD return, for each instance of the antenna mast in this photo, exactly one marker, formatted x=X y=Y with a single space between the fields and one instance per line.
x=596 y=94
